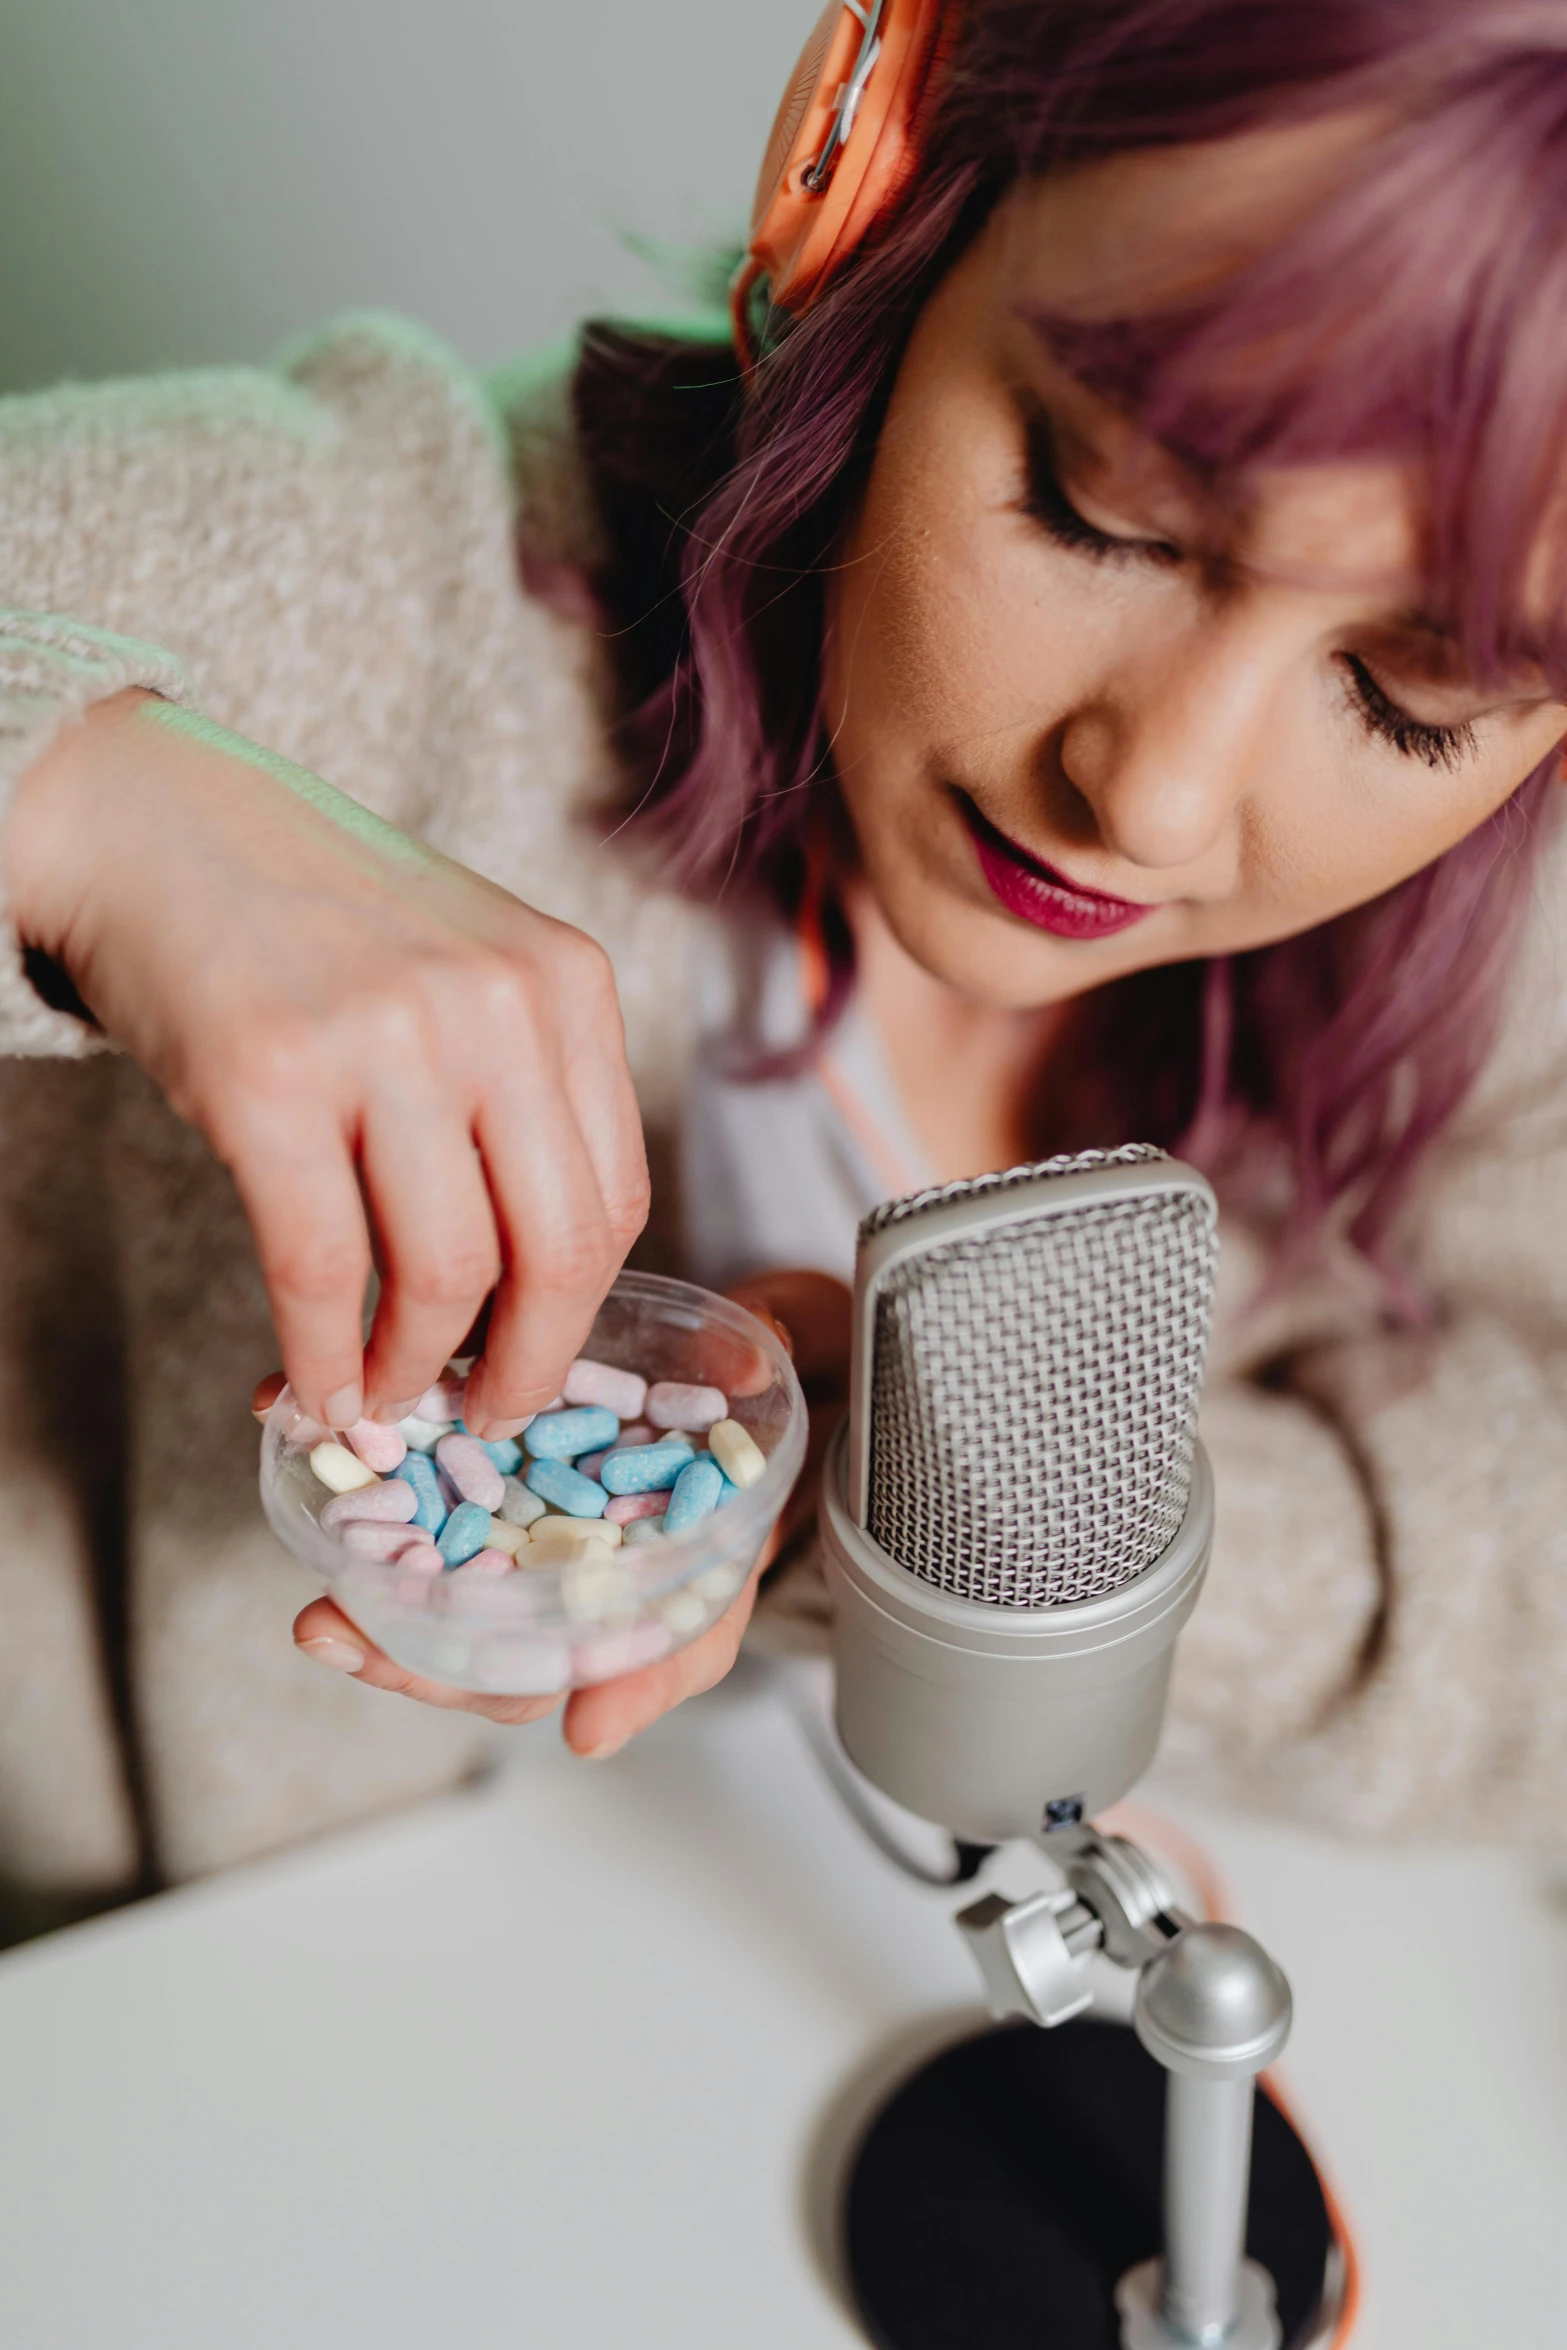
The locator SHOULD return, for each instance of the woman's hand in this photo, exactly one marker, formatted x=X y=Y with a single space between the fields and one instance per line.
x=394 y=1057
x=810 y=1313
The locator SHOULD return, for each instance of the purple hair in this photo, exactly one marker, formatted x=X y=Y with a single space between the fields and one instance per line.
x=1420 y=311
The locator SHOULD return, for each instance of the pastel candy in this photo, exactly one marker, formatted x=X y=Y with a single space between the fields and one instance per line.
x=593 y=1585
x=431 y=1508
x=671 y=1404
x=699 y=1489
x=625 y=1508
x=518 y=1506
x=472 y=1471
x=645 y=1530
x=491 y=1562
x=465 y=1533
x=421 y=1558
x=565 y=1489
x=511 y=1539
x=620 y=1392
x=421 y=1435
x=737 y=1452
x=441 y=1402
x=391 y=1503
x=379 y=1447
x=373 y=1539
x=718 y=1584
x=565 y=1436
x=591 y=1462
x=646 y=1468
x=505 y=1452
x=567 y=1534
x=341 y=1469
x=684 y=1613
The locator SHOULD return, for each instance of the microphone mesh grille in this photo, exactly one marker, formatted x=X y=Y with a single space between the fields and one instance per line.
x=1034 y=1391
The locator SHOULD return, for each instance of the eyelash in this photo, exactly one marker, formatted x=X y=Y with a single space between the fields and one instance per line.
x=1441 y=747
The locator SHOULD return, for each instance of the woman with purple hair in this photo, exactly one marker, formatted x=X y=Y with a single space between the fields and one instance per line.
x=1100 y=676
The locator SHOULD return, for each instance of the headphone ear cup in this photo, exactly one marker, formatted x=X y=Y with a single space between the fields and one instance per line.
x=801 y=235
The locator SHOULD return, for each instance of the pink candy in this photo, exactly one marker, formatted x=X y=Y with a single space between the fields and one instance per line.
x=375 y=1539
x=378 y=1446
x=608 y=1654
x=620 y=1392
x=624 y=1508
x=443 y=1401
x=491 y=1562
x=422 y=1558
x=471 y=1470
x=394 y=1502
x=672 y=1405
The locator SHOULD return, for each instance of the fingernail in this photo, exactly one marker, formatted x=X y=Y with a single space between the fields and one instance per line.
x=346 y=1408
x=609 y=1747
x=499 y=1431
x=335 y=1653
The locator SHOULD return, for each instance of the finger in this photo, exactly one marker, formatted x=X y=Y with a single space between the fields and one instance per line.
x=559 y=1253
x=266 y=1392
x=816 y=1308
x=601 y=1096
x=437 y=1241
x=296 y=1180
x=323 y=1633
x=600 y=1720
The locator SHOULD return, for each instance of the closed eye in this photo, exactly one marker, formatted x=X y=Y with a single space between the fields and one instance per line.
x=1050 y=506
x=1439 y=746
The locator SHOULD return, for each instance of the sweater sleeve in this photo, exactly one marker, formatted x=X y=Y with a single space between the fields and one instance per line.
x=284 y=549
x=52 y=670
x=1382 y=1646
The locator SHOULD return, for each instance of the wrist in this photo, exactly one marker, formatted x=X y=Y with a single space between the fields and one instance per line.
x=53 y=832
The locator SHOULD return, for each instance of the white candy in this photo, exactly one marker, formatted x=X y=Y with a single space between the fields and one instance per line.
x=717 y=1584
x=683 y=1612
x=593 y=1586
x=519 y=1506
x=422 y=1435
x=644 y=1530
x=736 y=1451
x=336 y=1466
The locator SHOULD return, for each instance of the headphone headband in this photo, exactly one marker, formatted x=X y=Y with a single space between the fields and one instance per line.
x=843 y=148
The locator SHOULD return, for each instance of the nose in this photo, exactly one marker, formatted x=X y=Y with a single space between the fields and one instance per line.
x=1166 y=748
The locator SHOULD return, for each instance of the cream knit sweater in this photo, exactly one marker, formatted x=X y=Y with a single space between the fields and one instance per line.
x=321 y=557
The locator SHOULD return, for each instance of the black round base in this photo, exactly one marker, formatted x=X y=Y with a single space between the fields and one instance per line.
x=999 y=2198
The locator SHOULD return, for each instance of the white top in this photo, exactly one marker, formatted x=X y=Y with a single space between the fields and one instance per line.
x=779 y=1173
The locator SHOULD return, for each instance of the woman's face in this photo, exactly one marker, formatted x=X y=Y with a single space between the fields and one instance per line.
x=1084 y=724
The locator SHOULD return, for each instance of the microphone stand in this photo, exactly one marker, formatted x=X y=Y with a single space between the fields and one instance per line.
x=1214 y=2010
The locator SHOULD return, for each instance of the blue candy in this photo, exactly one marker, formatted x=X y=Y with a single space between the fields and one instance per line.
x=420 y=1473
x=699 y=1488
x=465 y=1533
x=567 y=1488
x=565 y=1436
x=645 y=1468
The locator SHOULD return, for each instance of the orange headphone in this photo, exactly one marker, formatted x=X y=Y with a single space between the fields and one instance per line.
x=843 y=148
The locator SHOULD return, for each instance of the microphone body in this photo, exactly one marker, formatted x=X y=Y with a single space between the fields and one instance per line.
x=1016 y=1517
x=1001 y=1723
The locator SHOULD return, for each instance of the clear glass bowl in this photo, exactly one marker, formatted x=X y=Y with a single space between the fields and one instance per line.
x=514 y=1634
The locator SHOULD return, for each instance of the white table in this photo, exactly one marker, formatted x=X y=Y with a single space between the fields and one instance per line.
x=569 y=2060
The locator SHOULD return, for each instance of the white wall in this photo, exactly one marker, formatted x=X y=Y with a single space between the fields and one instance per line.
x=192 y=180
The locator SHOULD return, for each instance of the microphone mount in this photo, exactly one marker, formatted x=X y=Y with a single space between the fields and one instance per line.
x=1214 y=2010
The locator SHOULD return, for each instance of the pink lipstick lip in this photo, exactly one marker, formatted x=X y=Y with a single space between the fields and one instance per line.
x=1037 y=893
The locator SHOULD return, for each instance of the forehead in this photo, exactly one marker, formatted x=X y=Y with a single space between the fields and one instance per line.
x=1155 y=226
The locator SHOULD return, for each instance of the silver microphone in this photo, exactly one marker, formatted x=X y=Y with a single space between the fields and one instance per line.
x=1017 y=1515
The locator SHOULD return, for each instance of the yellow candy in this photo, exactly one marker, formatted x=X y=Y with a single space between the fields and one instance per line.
x=567 y=1534
x=336 y=1466
x=507 y=1538
x=736 y=1451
